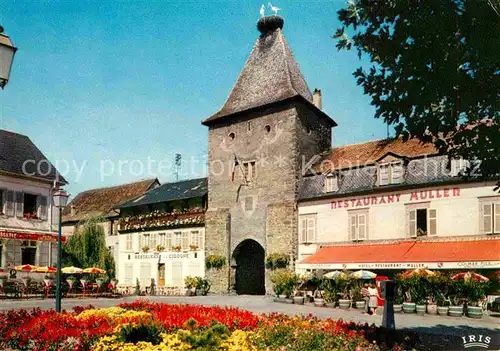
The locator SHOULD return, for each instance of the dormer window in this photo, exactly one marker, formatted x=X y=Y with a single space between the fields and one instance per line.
x=331 y=183
x=390 y=173
x=458 y=167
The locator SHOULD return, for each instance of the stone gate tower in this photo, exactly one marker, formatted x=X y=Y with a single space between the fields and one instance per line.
x=257 y=144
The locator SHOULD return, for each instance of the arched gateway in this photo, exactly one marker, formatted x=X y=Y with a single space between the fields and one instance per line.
x=250 y=268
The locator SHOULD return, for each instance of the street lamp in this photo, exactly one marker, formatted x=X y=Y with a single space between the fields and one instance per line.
x=60 y=201
x=7 y=51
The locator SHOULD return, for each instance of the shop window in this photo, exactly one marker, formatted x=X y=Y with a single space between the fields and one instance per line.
x=307 y=228
x=422 y=221
x=28 y=252
x=145 y=274
x=490 y=217
x=390 y=173
x=358 y=225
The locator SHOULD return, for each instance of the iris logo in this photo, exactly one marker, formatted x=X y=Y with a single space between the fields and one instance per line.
x=476 y=341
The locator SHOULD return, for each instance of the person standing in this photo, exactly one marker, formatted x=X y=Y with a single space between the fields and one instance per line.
x=372 y=302
x=366 y=297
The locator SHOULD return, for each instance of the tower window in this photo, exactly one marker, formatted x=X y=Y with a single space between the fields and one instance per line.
x=249 y=126
x=231 y=136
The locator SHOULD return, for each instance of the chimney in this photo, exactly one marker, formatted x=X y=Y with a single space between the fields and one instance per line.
x=317 y=98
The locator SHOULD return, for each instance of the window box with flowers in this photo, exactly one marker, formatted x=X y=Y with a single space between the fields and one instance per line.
x=145 y=249
x=159 y=220
x=277 y=260
x=160 y=248
x=176 y=248
x=193 y=247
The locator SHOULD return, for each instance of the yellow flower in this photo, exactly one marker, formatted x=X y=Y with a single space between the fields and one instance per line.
x=238 y=341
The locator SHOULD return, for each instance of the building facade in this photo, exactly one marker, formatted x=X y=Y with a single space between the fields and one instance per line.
x=102 y=203
x=257 y=144
x=162 y=235
x=28 y=221
x=388 y=205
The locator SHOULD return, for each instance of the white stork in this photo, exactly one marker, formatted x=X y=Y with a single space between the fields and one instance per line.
x=273 y=8
x=262 y=10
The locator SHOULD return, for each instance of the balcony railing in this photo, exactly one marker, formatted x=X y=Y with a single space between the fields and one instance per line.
x=162 y=220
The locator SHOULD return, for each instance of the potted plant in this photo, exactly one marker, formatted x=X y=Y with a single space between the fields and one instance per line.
x=288 y=288
x=398 y=303
x=202 y=286
x=476 y=297
x=319 y=301
x=145 y=249
x=442 y=305
x=190 y=283
x=215 y=261
x=298 y=297
x=431 y=305
x=277 y=260
x=357 y=297
x=344 y=285
x=280 y=279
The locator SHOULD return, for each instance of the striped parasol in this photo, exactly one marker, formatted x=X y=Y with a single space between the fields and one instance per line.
x=335 y=275
x=46 y=269
x=421 y=272
x=363 y=275
x=468 y=276
x=26 y=268
x=71 y=270
x=94 y=270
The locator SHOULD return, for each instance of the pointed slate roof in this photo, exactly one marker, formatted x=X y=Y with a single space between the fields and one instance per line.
x=270 y=74
x=19 y=155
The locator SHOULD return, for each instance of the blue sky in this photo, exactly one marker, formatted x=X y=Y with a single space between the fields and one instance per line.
x=132 y=80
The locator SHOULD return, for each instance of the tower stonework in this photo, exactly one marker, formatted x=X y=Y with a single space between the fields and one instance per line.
x=257 y=145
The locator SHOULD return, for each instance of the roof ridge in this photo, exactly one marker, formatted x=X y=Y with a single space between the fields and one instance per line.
x=289 y=74
x=184 y=180
x=119 y=186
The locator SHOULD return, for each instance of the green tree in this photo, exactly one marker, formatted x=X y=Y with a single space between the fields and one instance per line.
x=434 y=70
x=87 y=248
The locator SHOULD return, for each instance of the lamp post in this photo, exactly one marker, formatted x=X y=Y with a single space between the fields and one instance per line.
x=60 y=201
x=7 y=51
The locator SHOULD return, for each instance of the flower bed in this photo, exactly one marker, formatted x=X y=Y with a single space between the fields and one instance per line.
x=153 y=326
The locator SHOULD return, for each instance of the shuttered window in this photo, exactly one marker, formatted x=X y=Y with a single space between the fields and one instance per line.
x=331 y=183
x=9 y=203
x=307 y=228
x=490 y=217
x=185 y=240
x=145 y=274
x=19 y=204
x=168 y=241
x=358 y=225
x=421 y=221
x=43 y=210
x=128 y=273
x=383 y=175
x=177 y=275
x=128 y=243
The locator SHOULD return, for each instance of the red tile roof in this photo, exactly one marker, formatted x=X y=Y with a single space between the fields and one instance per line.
x=408 y=251
x=356 y=155
x=102 y=201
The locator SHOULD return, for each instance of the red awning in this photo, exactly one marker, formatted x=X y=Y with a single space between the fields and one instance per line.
x=21 y=235
x=409 y=254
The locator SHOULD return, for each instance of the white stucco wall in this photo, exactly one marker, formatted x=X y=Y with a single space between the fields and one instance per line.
x=11 y=251
x=185 y=262
x=458 y=213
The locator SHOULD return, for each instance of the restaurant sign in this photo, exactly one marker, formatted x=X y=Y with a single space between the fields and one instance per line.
x=420 y=195
x=9 y=234
x=164 y=256
x=403 y=265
